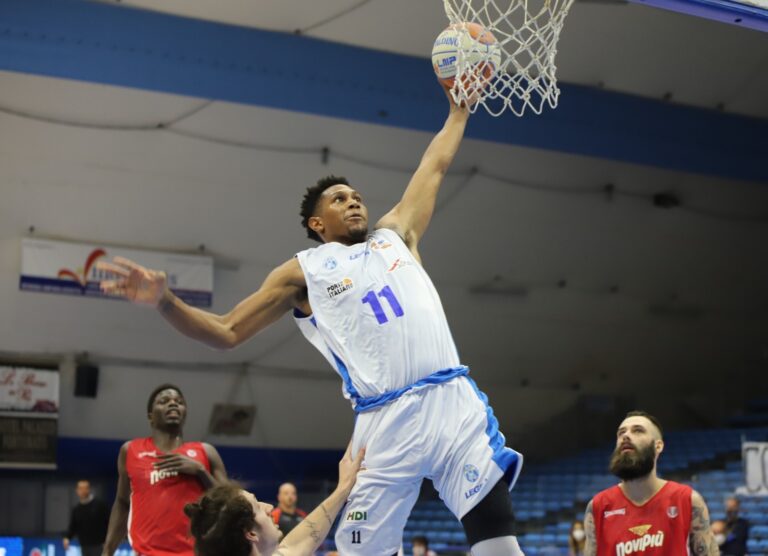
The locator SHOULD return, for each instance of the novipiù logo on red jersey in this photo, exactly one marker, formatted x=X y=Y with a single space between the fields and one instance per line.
x=644 y=541
x=158 y=475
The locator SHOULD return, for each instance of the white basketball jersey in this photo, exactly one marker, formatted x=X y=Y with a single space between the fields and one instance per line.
x=376 y=317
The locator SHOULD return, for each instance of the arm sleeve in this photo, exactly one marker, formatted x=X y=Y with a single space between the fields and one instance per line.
x=72 y=529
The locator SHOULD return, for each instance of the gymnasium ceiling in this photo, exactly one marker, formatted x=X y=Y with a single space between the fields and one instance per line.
x=620 y=46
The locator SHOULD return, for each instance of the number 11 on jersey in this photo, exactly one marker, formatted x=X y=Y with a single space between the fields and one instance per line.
x=378 y=310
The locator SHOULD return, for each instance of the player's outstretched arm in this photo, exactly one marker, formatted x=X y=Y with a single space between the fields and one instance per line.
x=118 y=519
x=411 y=216
x=282 y=290
x=310 y=533
x=702 y=540
x=590 y=546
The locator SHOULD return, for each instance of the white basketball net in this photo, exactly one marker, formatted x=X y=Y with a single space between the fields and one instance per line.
x=527 y=32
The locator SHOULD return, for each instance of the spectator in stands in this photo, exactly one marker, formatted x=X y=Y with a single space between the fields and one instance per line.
x=287 y=515
x=421 y=547
x=718 y=530
x=576 y=539
x=736 y=530
x=88 y=521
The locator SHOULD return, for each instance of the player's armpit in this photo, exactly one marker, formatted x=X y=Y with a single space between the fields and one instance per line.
x=702 y=540
x=590 y=547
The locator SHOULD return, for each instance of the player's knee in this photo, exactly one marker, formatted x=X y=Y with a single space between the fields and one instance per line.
x=492 y=517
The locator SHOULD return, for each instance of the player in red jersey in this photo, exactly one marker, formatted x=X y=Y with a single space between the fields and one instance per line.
x=645 y=515
x=158 y=475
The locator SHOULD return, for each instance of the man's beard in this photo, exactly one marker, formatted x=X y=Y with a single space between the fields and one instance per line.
x=631 y=465
x=358 y=234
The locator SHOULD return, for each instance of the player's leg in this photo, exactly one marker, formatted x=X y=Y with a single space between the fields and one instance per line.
x=490 y=525
x=372 y=522
x=477 y=470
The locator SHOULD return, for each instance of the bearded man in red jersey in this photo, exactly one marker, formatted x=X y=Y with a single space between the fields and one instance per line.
x=645 y=515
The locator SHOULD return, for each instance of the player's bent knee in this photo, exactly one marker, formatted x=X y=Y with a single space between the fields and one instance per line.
x=492 y=517
x=500 y=546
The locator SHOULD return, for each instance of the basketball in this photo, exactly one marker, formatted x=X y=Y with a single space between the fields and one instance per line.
x=471 y=42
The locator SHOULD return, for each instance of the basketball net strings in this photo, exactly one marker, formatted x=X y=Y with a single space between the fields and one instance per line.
x=527 y=32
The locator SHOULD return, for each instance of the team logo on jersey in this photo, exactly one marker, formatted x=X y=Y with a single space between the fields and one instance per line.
x=377 y=244
x=339 y=287
x=672 y=512
x=471 y=473
x=152 y=454
x=357 y=516
x=640 y=530
x=644 y=541
x=192 y=453
x=330 y=263
x=399 y=263
x=611 y=513
x=158 y=475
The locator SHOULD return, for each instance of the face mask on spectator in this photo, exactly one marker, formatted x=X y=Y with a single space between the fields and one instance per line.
x=720 y=539
x=578 y=535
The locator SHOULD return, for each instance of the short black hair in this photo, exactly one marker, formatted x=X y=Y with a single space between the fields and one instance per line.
x=156 y=391
x=421 y=539
x=651 y=418
x=309 y=202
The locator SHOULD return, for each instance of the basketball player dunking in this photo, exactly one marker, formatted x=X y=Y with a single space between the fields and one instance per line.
x=645 y=515
x=364 y=300
x=157 y=477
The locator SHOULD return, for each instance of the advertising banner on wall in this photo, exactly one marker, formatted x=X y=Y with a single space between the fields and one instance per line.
x=29 y=412
x=755 y=458
x=18 y=546
x=70 y=268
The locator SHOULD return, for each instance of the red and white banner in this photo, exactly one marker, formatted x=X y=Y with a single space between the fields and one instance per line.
x=29 y=390
x=29 y=411
x=70 y=268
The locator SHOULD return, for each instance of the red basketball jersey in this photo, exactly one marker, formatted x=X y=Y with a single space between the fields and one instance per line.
x=157 y=525
x=660 y=527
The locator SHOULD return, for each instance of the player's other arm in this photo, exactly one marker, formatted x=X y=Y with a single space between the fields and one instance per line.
x=411 y=216
x=282 y=290
x=118 y=519
x=702 y=540
x=590 y=546
x=304 y=539
x=218 y=474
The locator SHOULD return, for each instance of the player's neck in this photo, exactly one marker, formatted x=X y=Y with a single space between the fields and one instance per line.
x=641 y=490
x=167 y=440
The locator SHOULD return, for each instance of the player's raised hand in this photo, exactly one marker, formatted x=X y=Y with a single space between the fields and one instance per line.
x=133 y=282
x=349 y=467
